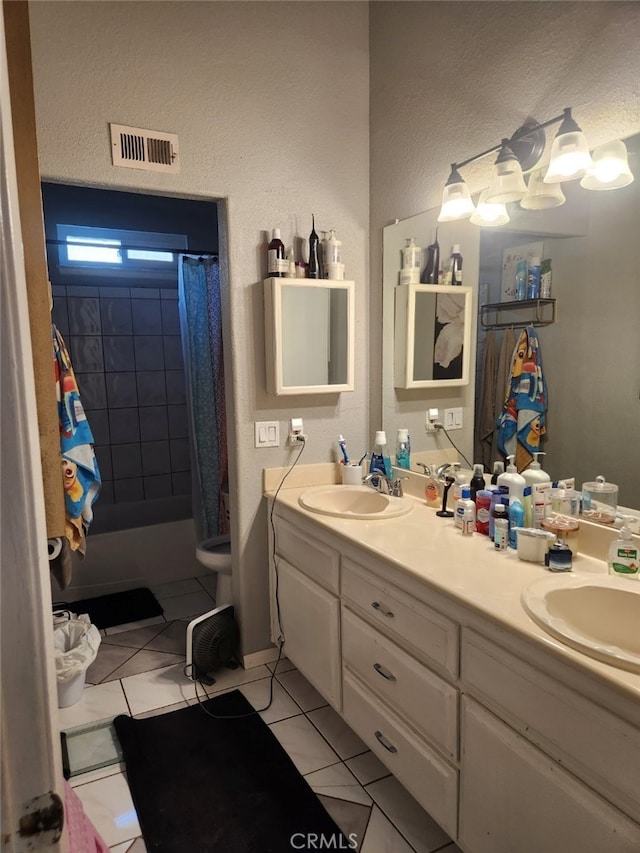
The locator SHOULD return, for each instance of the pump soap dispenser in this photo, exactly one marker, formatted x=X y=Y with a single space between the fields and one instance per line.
x=511 y=483
x=623 y=554
x=540 y=483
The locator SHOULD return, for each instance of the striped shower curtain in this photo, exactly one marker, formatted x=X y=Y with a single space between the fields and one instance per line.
x=201 y=330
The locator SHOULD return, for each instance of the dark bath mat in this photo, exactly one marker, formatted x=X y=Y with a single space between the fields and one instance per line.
x=117 y=608
x=202 y=785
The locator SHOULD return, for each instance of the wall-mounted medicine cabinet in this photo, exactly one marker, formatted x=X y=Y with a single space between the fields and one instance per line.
x=309 y=335
x=432 y=337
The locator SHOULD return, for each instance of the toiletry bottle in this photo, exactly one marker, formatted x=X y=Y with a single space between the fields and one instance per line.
x=433 y=488
x=466 y=512
x=623 y=554
x=521 y=280
x=277 y=265
x=461 y=479
x=540 y=483
x=510 y=483
x=527 y=505
x=291 y=264
x=403 y=449
x=533 y=279
x=500 y=527
x=477 y=481
x=411 y=255
x=313 y=267
x=496 y=498
x=431 y=272
x=516 y=519
x=456 y=265
x=545 y=279
x=380 y=460
x=498 y=468
x=483 y=511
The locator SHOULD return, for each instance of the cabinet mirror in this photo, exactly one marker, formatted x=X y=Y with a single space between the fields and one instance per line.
x=309 y=336
x=432 y=335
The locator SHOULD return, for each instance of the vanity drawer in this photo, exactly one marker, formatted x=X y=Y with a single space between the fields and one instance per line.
x=426 y=776
x=423 y=698
x=598 y=747
x=314 y=558
x=432 y=636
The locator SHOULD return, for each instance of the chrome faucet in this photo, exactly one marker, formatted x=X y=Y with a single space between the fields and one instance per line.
x=385 y=485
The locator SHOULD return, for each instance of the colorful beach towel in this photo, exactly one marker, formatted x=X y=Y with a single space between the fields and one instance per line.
x=81 y=476
x=522 y=422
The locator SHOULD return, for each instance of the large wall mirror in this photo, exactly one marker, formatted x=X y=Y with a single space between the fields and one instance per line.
x=309 y=336
x=590 y=355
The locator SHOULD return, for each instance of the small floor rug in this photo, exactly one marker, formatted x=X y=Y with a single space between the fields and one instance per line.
x=203 y=785
x=117 y=608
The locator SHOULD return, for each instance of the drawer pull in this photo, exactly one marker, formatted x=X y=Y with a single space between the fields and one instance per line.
x=384 y=672
x=377 y=606
x=386 y=743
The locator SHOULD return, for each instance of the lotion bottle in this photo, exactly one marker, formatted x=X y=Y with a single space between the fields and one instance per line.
x=623 y=553
x=465 y=512
x=516 y=519
x=540 y=483
x=510 y=483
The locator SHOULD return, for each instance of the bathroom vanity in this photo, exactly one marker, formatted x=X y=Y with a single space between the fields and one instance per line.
x=416 y=635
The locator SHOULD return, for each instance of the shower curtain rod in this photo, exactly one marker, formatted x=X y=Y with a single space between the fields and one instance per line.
x=174 y=249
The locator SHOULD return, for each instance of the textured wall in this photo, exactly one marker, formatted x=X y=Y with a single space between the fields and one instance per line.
x=270 y=101
x=451 y=79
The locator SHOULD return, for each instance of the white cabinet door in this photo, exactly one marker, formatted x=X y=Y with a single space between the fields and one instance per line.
x=515 y=798
x=311 y=622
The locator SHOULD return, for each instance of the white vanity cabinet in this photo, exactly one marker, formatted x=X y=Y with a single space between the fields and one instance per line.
x=307 y=581
x=507 y=744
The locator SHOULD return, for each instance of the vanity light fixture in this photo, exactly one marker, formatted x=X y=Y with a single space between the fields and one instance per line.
x=570 y=159
x=610 y=169
x=489 y=215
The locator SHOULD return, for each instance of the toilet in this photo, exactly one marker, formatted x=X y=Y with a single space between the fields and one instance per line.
x=215 y=554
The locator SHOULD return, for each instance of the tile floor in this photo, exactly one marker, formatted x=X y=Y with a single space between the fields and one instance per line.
x=139 y=671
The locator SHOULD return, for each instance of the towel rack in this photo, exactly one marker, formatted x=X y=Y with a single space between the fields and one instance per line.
x=534 y=312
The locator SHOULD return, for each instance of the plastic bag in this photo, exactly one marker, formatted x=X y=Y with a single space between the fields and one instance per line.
x=76 y=642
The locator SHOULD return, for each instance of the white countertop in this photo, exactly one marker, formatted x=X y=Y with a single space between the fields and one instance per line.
x=466 y=569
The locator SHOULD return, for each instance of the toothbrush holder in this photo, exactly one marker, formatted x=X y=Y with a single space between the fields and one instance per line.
x=352 y=475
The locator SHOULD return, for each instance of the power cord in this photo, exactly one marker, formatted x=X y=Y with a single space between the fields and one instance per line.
x=301 y=439
x=441 y=427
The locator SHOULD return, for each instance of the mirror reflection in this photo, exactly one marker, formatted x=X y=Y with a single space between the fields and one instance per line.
x=590 y=355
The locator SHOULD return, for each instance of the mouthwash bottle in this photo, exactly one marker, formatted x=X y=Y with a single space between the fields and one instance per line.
x=403 y=449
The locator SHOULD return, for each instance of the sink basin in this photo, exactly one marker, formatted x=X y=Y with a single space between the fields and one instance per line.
x=353 y=502
x=597 y=616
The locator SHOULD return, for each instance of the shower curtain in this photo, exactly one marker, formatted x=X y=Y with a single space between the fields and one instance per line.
x=201 y=330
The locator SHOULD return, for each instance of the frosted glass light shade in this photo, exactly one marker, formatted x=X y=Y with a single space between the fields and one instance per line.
x=456 y=202
x=507 y=183
x=570 y=158
x=489 y=215
x=541 y=196
x=610 y=169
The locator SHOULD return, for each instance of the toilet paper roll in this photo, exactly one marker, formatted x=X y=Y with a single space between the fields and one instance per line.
x=54 y=546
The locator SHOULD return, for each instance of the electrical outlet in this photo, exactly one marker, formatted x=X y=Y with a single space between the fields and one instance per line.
x=267 y=434
x=296 y=434
x=432 y=417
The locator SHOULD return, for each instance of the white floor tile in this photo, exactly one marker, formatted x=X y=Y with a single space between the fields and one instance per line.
x=382 y=837
x=352 y=818
x=419 y=828
x=98 y=703
x=282 y=707
x=336 y=781
x=209 y=583
x=307 y=749
x=130 y=626
x=109 y=807
x=137 y=638
x=304 y=693
x=150 y=690
x=285 y=665
x=173 y=588
x=122 y=848
x=138 y=846
x=227 y=679
x=341 y=737
x=367 y=768
x=94 y=775
x=167 y=709
x=186 y=606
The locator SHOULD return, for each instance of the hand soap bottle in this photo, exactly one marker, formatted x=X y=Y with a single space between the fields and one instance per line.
x=511 y=483
x=540 y=483
x=623 y=554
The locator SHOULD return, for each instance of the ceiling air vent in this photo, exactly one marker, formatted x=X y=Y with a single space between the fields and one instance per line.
x=151 y=150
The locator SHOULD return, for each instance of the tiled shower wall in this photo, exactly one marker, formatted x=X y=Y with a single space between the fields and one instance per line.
x=126 y=352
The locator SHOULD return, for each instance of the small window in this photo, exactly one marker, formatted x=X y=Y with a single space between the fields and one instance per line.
x=113 y=252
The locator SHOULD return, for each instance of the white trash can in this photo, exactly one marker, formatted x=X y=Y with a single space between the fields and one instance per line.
x=76 y=642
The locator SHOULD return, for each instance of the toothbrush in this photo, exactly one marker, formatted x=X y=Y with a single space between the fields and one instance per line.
x=343 y=448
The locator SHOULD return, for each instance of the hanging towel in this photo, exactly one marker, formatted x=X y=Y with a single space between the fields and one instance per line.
x=501 y=387
x=80 y=473
x=522 y=422
x=485 y=414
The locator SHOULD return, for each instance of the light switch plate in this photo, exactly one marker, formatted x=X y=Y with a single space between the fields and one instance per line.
x=267 y=434
x=453 y=418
